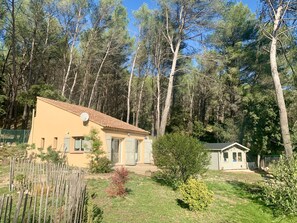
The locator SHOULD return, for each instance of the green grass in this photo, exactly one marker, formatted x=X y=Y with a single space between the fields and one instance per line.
x=151 y=202
x=234 y=192
x=4 y=179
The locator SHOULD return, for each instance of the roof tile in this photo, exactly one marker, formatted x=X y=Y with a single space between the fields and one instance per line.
x=97 y=117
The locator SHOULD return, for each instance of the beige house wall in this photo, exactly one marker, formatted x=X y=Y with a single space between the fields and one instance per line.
x=52 y=122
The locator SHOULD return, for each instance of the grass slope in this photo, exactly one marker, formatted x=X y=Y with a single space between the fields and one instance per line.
x=151 y=202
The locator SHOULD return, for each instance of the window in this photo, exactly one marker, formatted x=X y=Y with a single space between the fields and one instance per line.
x=115 y=150
x=80 y=144
x=55 y=144
x=239 y=157
x=42 y=143
x=234 y=157
x=226 y=156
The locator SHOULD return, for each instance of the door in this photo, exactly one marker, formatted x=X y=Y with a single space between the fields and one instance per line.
x=115 y=150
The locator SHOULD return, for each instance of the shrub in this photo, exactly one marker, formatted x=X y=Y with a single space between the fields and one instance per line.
x=179 y=157
x=117 y=184
x=52 y=156
x=98 y=163
x=196 y=194
x=280 y=192
x=17 y=151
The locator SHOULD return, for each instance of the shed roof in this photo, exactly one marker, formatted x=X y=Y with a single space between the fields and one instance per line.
x=106 y=121
x=224 y=146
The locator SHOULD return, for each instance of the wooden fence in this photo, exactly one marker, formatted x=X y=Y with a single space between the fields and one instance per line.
x=42 y=192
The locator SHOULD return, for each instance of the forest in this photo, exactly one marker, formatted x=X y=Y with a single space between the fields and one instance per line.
x=209 y=68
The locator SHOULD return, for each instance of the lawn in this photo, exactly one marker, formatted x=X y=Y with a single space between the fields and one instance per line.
x=151 y=202
x=234 y=192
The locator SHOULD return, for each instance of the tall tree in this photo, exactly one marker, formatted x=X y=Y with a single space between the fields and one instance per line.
x=280 y=16
x=183 y=20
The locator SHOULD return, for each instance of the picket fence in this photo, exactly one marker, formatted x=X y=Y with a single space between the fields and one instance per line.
x=43 y=192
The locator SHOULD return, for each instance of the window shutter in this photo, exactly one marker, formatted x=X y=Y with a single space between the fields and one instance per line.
x=147 y=151
x=66 y=144
x=108 y=146
x=130 y=151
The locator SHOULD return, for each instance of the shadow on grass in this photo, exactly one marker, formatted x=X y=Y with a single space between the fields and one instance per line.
x=164 y=180
x=182 y=204
x=129 y=191
x=248 y=191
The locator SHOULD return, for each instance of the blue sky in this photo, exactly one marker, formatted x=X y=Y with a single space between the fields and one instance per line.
x=133 y=5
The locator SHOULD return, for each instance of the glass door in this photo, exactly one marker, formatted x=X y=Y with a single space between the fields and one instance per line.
x=115 y=150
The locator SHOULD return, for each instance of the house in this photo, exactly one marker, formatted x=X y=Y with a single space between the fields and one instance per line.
x=227 y=156
x=63 y=126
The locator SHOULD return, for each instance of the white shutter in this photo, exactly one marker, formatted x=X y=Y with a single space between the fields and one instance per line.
x=147 y=151
x=130 y=151
x=108 y=146
x=66 y=144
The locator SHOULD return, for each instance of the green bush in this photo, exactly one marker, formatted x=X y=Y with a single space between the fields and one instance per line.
x=178 y=157
x=280 y=191
x=98 y=161
x=100 y=165
x=52 y=156
x=196 y=194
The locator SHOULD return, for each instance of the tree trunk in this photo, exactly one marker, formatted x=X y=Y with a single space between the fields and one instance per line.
x=71 y=53
x=278 y=87
x=130 y=84
x=191 y=108
x=139 y=101
x=14 y=79
x=98 y=73
x=86 y=75
x=84 y=86
x=169 y=90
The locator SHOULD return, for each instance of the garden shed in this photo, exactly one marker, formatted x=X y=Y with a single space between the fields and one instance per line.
x=227 y=156
x=64 y=127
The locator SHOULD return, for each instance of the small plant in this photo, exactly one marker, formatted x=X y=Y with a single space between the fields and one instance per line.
x=118 y=181
x=196 y=194
x=20 y=179
x=94 y=213
x=179 y=156
x=52 y=156
x=280 y=192
x=98 y=163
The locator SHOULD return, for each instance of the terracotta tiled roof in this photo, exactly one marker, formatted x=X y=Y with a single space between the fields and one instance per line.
x=104 y=120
